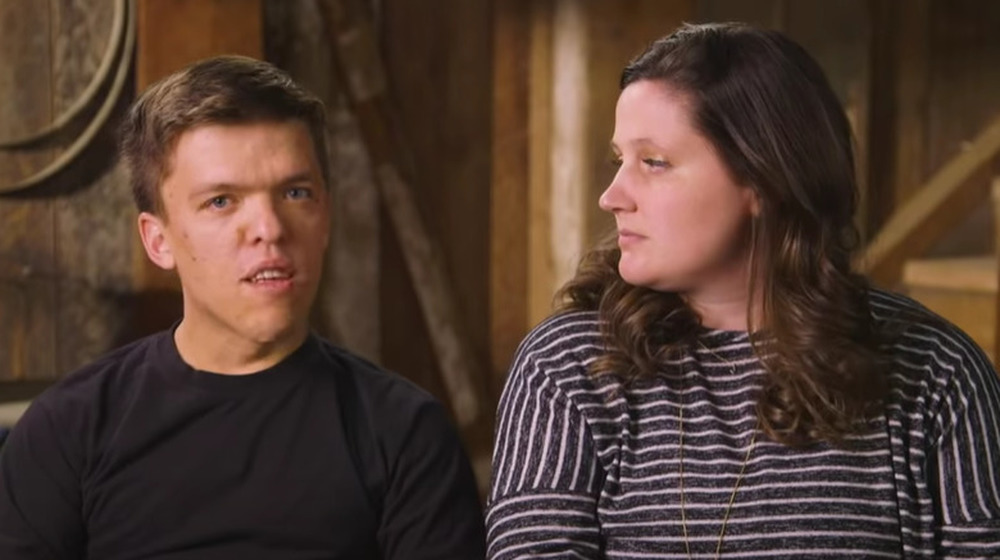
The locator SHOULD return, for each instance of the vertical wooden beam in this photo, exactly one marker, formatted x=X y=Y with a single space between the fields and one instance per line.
x=27 y=291
x=570 y=125
x=94 y=228
x=995 y=192
x=440 y=92
x=360 y=67
x=540 y=261
x=175 y=33
x=509 y=209
x=770 y=14
x=911 y=94
x=898 y=106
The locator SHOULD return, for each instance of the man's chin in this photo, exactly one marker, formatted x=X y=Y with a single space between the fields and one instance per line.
x=275 y=329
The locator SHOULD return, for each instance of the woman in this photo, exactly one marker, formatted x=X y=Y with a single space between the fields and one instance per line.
x=718 y=382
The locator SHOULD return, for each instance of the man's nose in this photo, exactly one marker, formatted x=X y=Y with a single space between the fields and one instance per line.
x=268 y=224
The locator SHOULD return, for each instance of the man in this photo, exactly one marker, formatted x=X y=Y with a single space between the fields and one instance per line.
x=237 y=434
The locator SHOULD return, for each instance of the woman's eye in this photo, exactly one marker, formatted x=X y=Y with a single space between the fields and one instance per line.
x=615 y=161
x=656 y=163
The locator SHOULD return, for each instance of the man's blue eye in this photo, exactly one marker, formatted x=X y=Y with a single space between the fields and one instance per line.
x=299 y=193
x=219 y=201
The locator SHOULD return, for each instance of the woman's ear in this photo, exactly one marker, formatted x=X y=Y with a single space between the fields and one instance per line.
x=753 y=201
x=154 y=240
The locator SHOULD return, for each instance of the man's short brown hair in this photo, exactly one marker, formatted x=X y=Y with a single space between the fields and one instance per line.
x=220 y=90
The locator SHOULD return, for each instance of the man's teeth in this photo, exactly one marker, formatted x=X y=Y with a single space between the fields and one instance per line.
x=269 y=275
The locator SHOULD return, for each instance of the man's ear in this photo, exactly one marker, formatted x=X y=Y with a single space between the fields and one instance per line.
x=154 y=240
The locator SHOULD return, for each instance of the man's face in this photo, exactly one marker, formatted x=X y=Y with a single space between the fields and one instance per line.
x=245 y=222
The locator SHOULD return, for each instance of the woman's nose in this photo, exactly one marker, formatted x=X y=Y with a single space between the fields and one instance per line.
x=616 y=198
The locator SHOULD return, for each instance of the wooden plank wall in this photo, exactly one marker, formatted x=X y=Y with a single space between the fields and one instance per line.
x=509 y=190
x=441 y=85
x=962 y=96
x=64 y=253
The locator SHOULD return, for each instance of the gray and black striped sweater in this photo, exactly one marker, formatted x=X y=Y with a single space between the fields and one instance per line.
x=586 y=468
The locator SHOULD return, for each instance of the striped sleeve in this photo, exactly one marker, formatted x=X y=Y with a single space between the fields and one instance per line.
x=546 y=474
x=965 y=456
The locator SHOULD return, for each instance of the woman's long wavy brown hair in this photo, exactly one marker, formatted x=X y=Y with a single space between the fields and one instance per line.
x=768 y=110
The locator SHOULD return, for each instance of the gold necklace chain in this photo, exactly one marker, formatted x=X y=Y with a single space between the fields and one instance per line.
x=739 y=477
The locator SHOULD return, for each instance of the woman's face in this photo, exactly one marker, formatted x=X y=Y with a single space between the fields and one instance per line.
x=683 y=222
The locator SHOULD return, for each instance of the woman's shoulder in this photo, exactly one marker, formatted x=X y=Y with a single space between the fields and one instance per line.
x=567 y=334
x=928 y=352
x=559 y=351
x=916 y=330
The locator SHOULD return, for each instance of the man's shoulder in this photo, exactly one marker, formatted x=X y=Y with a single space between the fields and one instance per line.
x=377 y=387
x=104 y=376
x=388 y=409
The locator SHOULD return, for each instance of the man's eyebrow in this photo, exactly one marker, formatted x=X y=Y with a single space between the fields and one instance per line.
x=300 y=177
x=208 y=188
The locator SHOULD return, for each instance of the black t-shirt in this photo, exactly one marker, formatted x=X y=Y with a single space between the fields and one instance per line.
x=322 y=456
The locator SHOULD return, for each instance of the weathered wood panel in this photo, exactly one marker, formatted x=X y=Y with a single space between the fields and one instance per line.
x=898 y=106
x=174 y=33
x=25 y=84
x=995 y=195
x=765 y=13
x=963 y=96
x=509 y=209
x=27 y=336
x=93 y=219
x=58 y=313
x=541 y=268
x=442 y=90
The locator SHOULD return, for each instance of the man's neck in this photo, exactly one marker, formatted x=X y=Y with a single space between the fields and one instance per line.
x=225 y=352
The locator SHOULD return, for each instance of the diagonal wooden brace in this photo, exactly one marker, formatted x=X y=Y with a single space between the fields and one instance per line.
x=359 y=65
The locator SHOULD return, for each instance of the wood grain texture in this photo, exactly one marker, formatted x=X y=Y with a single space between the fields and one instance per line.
x=898 y=101
x=25 y=84
x=509 y=209
x=963 y=95
x=175 y=33
x=441 y=92
x=94 y=221
x=943 y=202
x=571 y=113
x=995 y=195
x=27 y=290
x=541 y=268
x=765 y=13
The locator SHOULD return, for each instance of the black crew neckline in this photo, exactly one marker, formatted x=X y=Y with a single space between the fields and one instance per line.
x=180 y=372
